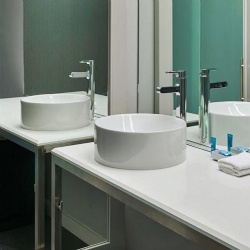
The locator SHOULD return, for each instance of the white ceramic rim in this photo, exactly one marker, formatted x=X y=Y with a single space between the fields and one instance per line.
x=219 y=113
x=77 y=99
x=181 y=125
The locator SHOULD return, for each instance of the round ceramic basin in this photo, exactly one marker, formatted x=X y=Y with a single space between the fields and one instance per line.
x=140 y=141
x=55 y=112
x=230 y=118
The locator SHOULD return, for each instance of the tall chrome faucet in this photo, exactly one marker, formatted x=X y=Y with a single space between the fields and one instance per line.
x=180 y=88
x=91 y=82
x=205 y=87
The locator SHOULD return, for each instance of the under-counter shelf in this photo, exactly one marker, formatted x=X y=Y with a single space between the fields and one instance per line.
x=39 y=142
x=194 y=199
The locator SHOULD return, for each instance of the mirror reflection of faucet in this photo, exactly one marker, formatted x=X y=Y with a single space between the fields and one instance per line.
x=79 y=74
x=180 y=89
x=91 y=82
x=205 y=87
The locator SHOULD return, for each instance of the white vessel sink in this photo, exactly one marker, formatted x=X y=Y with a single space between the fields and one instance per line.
x=55 y=112
x=232 y=118
x=140 y=141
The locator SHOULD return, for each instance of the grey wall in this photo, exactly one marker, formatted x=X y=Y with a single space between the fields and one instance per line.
x=87 y=205
x=144 y=233
x=11 y=48
x=57 y=35
x=16 y=186
x=146 y=57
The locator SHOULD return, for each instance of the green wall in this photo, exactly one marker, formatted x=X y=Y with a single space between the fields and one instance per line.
x=186 y=46
x=208 y=34
x=222 y=45
x=57 y=35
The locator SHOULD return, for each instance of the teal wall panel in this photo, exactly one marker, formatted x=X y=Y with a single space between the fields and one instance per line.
x=186 y=46
x=222 y=45
x=208 y=34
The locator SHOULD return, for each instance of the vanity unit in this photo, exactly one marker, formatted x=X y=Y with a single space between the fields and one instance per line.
x=194 y=199
x=40 y=143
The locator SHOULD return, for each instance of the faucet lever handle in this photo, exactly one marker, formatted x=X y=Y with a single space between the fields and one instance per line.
x=89 y=62
x=79 y=74
x=179 y=73
x=216 y=85
x=171 y=72
x=205 y=72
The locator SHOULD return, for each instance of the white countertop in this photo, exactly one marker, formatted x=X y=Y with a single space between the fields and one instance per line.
x=196 y=192
x=10 y=121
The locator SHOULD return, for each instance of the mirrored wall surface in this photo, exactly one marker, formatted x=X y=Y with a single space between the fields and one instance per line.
x=205 y=34
x=11 y=49
x=46 y=40
x=57 y=36
x=214 y=43
x=209 y=34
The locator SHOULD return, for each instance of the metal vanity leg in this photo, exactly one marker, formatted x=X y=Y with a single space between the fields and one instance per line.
x=56 y=206
x=116 y=226
x=39 y=198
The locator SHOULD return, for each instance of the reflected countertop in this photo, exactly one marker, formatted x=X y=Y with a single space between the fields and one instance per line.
x=10 y=122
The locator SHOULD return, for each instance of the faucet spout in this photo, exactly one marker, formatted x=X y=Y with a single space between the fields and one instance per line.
x=205 y=87
x=179 y=88
x=91 y=83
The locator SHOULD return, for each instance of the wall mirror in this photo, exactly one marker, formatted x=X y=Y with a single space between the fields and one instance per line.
x=41 y=43
x=58 y=34
x=201 y=34
x=47 y=40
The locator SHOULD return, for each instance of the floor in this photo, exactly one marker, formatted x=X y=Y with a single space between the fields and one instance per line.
x=23 y=239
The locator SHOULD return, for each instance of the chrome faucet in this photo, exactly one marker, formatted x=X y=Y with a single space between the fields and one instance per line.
x=205 y=87
x=91 y=82
x=179 y=88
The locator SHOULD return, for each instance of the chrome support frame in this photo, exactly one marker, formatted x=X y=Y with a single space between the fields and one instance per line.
x=242 y=79
x=56 y=213
x=39 y=198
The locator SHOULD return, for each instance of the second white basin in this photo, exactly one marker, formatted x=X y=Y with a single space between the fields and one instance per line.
x=230 y=117
x=140 y=141
x=55 y=111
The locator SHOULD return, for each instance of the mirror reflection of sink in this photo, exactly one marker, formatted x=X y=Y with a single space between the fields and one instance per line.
x=55 y=111
x=140 y=141
x=230 y=117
